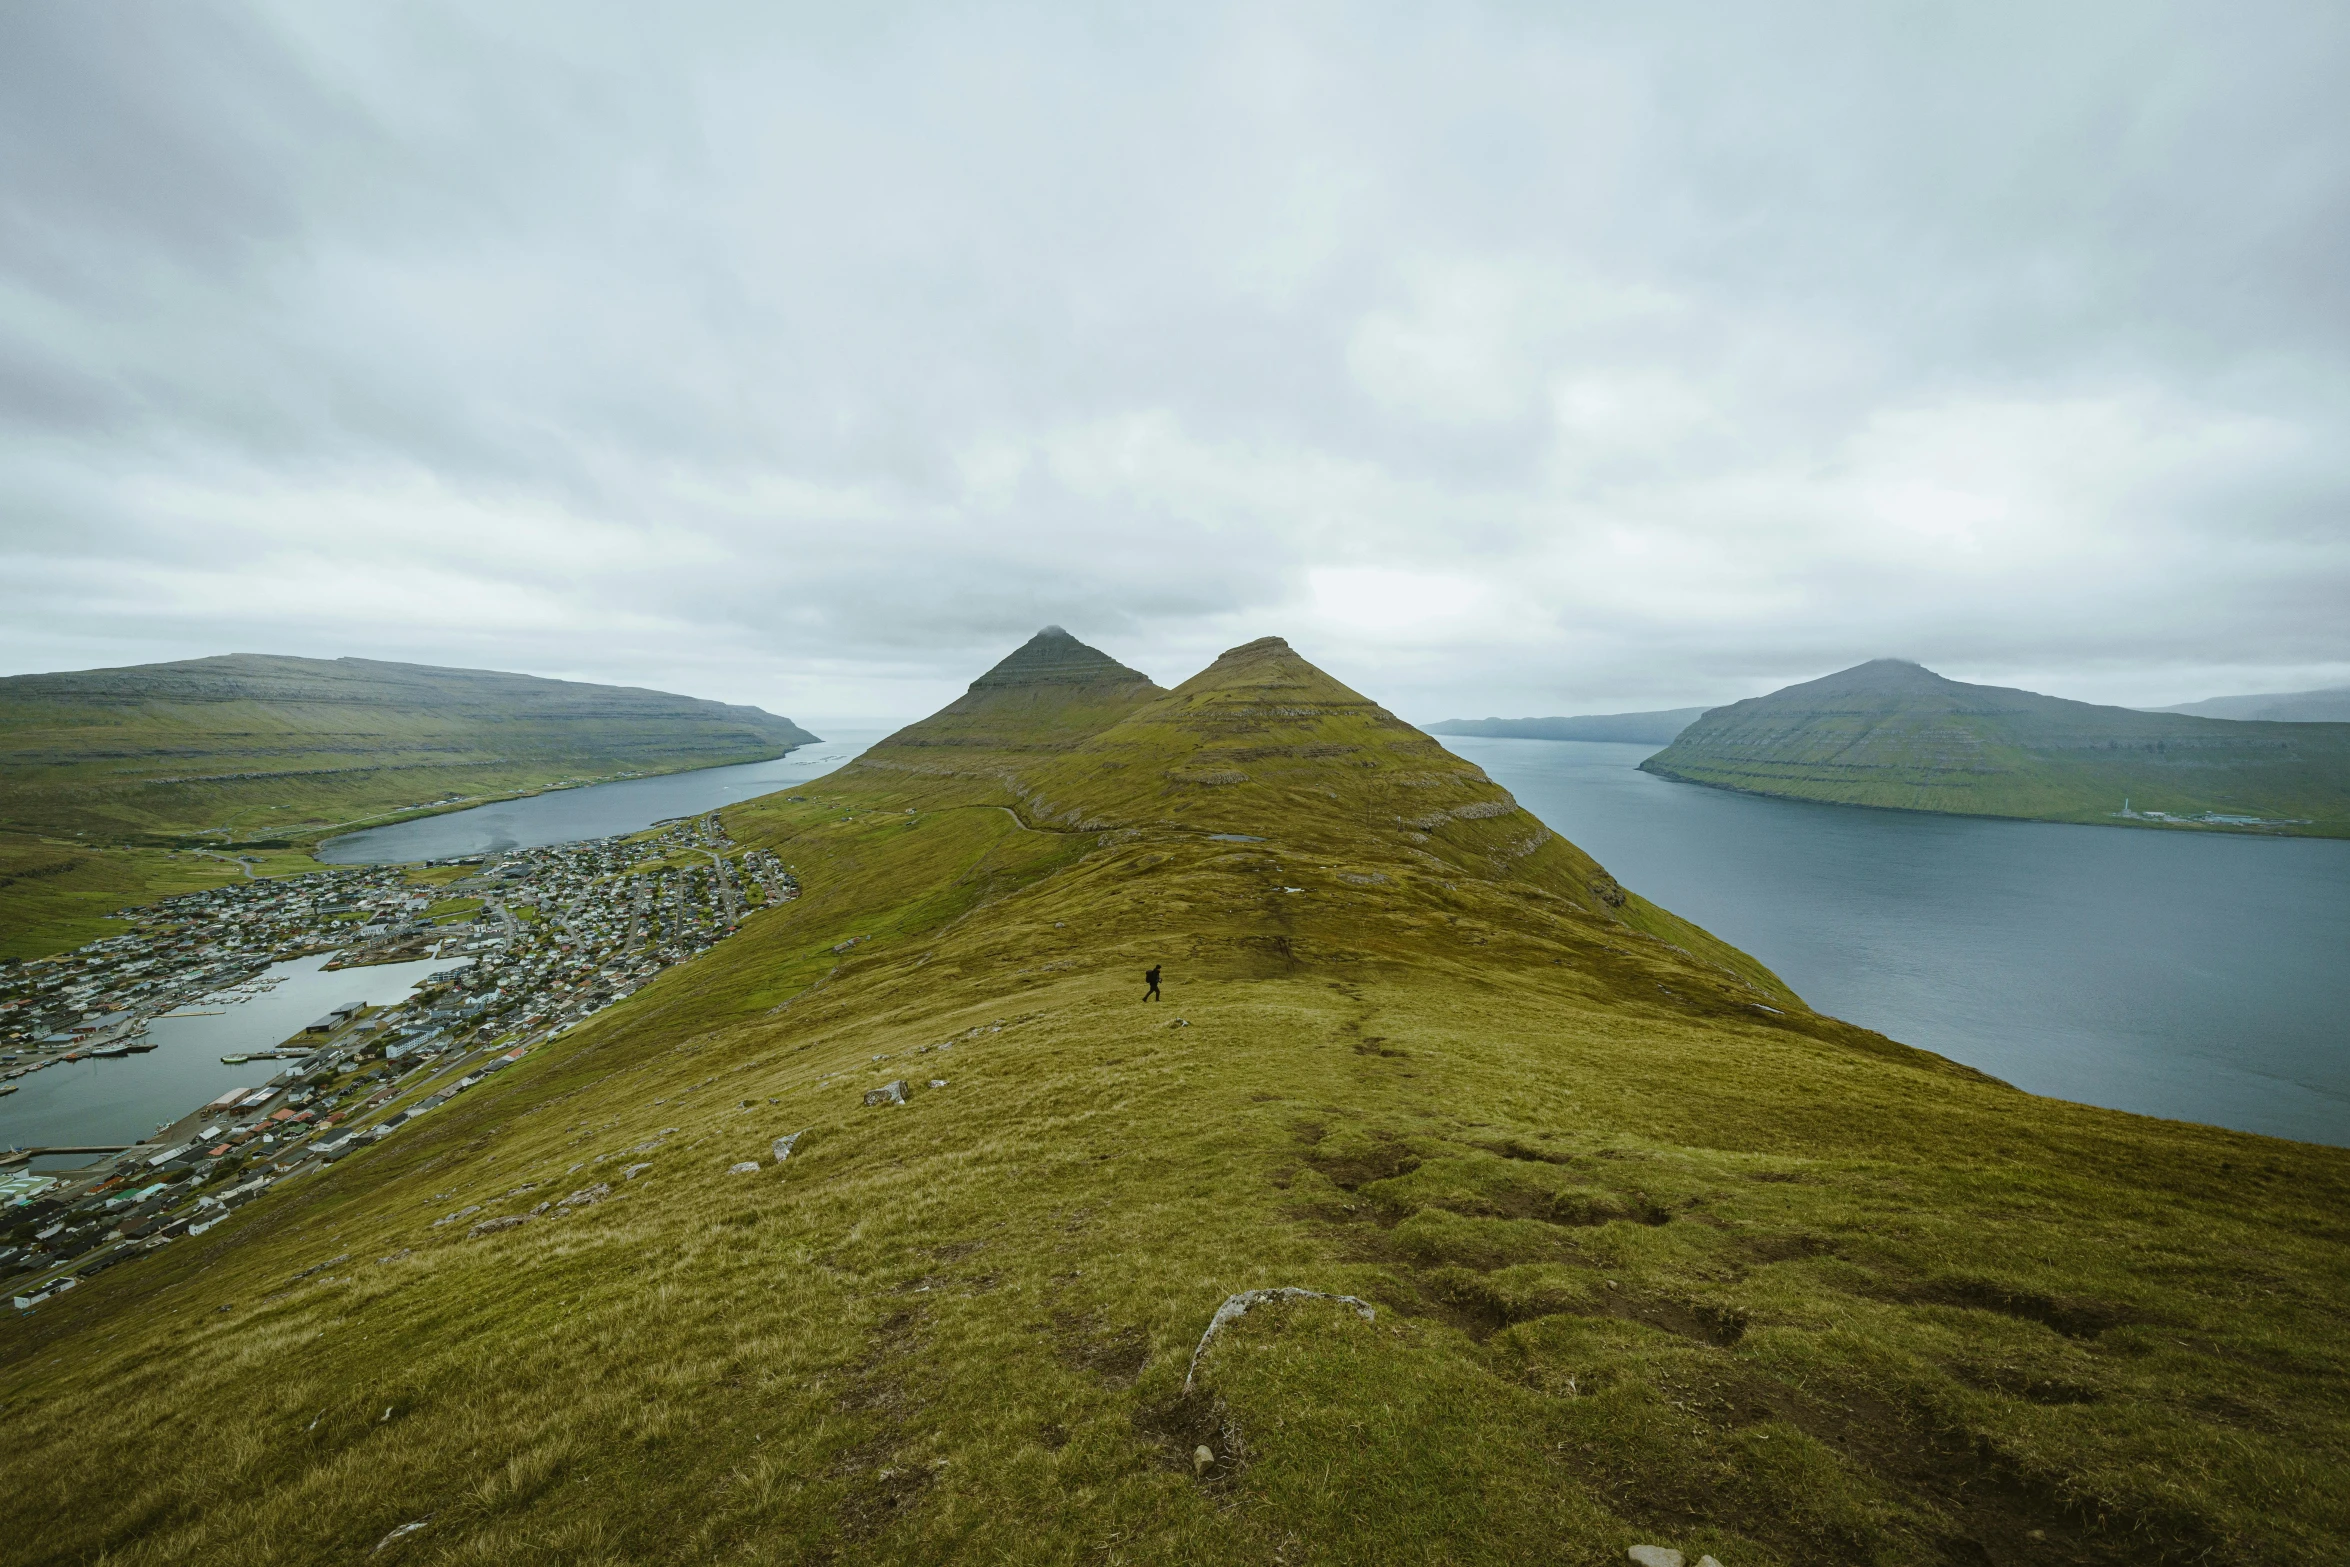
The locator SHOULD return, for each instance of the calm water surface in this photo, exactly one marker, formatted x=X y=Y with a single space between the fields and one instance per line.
x=596 y=811
x=2196 y=976
x=123 y=1098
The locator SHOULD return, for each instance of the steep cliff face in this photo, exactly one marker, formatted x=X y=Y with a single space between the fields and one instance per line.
x=1891 y=733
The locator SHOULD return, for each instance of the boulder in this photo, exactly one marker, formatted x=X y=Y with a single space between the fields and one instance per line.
x=1655 y=1556
x=782 y=1146
x=891 y=1093
x=747 y=1167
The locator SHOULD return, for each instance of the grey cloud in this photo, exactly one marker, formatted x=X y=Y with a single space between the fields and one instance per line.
x=1508 y=358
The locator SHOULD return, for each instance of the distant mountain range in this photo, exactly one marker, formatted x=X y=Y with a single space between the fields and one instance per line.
x=1639 y=728
x=2330 y=706
x=285 y=748
x=1891 y=733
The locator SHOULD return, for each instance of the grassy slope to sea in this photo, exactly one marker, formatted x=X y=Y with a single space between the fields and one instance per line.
x=1889 y=733
x=275 y=754
x=1655 y=1253
x=56 y=896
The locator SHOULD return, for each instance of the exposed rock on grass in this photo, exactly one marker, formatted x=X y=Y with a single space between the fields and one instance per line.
x=1237 y=1306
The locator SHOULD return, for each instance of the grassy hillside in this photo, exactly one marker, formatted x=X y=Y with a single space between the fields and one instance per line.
x=1889 y=733
x=2330 y=706
x=1639 y=728
x=281 y=752
x=56 y=896
x=1049 y=694
x=1655 y=1253
x=292 y=748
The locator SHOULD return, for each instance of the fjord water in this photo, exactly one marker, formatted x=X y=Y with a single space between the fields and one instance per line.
x=2199 y=976
x=594 y=811
x=120 y=1099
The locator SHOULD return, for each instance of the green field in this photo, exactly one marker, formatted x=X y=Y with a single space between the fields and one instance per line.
x=1894 y=735
x=56 y=895
x=1656 y=1253
x=268 y=756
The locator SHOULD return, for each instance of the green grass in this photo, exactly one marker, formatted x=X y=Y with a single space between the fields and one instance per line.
x=289 y=751
x=1896 y=736
x=1650 y=1262
x=55 y=896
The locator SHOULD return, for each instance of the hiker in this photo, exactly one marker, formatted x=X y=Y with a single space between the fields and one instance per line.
x=1152 y=975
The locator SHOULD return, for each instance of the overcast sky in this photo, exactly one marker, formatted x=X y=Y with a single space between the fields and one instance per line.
x=1507 y=360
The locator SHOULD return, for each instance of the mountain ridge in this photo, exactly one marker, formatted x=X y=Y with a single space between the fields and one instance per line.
x=899 y=1228
x=2330 y=705
x=273 y=752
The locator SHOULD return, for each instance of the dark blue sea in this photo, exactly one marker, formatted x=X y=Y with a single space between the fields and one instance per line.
x=2199 y=976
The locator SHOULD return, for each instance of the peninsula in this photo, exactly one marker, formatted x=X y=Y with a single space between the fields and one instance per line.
x=104 y=771
x=1455 y=1204
x=1894 y=734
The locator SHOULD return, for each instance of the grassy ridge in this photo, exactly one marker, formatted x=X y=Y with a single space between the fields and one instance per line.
x=1892 y=734
x=280 y=753
x=56 y=896
x=1657 y=1253
x=286 y=748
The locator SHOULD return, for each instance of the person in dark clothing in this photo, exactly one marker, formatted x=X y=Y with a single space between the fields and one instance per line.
x=1152 y=976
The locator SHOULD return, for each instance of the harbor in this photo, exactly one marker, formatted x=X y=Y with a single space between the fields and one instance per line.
x=268 y=1029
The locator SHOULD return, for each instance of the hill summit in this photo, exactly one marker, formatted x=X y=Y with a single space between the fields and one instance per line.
x=1046 y=695
x=1452 y=1204
x=1053 y=657
x=1893 y=733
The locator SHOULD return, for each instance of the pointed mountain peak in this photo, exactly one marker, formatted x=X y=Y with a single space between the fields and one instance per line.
x=1053 y=657
x=1884 y=674
x=1050 y=693
x=1267 y=663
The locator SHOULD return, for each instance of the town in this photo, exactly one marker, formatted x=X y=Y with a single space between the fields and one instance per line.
x=536 y=940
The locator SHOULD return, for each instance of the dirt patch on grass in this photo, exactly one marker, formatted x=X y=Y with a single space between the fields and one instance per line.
x=1965 y=1503
x=1116 y=1357
x=876 y=1383
x=2071 y=1315
x=881 y=1488
x=881 y=1482
x=2031 y=1387
x=1516 y=1148
x=1355 y=1162
x=1178 y=1429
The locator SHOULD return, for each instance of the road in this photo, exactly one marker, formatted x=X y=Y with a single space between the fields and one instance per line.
x=245 y=861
